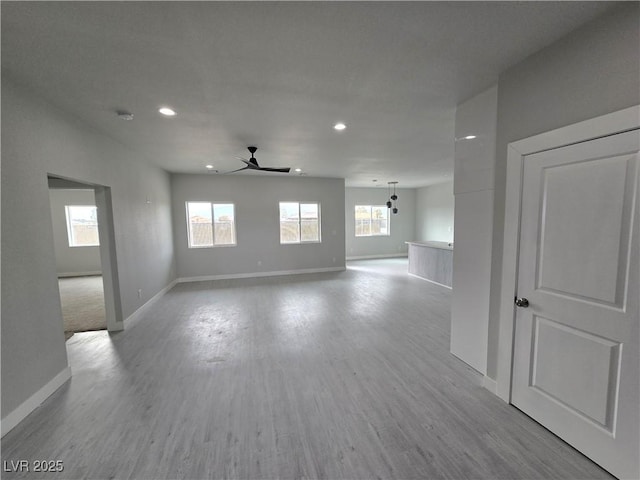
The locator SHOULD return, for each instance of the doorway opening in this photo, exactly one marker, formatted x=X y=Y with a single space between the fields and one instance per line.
x=82 y=223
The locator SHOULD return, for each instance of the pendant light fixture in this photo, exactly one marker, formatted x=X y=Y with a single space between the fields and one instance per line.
x=392 y=198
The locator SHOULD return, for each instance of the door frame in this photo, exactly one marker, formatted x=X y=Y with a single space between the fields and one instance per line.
x=110 y=278
x=107 y=248
x=602 y=126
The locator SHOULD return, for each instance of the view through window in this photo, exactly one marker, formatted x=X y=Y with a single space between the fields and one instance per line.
x=211 y=224
x=372 y=220
x=82 y=225
x=299 y=222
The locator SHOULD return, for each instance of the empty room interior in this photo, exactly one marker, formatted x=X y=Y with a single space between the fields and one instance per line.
x=339 y=240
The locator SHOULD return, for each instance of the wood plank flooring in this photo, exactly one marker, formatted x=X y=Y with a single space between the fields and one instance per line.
x=342 y=375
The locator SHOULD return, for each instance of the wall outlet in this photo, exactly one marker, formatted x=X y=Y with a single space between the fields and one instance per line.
x=139 y=293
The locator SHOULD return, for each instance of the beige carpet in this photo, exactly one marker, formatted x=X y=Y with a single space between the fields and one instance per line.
x=82 y=304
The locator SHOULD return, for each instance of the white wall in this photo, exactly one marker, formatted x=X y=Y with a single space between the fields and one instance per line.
x=71 y=260
x=256 y=200
x=39 y=139
x=473 y=184
x=402 y=223
x=434 y=212
x=592 y=71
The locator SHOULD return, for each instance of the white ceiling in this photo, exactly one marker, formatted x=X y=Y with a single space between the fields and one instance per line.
x=279 y=76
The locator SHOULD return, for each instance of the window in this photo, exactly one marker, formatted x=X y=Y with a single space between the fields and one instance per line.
x=299 y=222
x=82 y=225
x=372 y=220
x=211 y=224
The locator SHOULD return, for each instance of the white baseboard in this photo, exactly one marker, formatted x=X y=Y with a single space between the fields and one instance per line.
x=430 y=281
x=79 y=274
x=382 y=255
x=490 y=384
x=34 y=401
x=135 y=316
x=205 y=278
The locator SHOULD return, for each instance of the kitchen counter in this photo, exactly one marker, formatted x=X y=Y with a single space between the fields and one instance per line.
x=432 y=261
x=442 y=245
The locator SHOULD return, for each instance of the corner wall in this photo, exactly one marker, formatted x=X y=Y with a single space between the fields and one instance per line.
x=473 y=186
x=403 y=225
x=593 y=71
x=435 y=213
x=39 y=139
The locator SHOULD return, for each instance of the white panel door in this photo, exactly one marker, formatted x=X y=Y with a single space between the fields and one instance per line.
x=576 y=361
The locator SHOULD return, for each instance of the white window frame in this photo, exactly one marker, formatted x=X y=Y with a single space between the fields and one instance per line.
x=70 y=235
x=371 y=207
x=212 y=206
x=300 y=241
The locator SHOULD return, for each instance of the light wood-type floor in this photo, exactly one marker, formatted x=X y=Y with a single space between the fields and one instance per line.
x=342 y=375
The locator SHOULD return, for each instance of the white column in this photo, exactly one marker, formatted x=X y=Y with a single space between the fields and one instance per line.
x=473 y=189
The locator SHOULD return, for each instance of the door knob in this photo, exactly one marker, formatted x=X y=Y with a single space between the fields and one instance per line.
x=522 y=302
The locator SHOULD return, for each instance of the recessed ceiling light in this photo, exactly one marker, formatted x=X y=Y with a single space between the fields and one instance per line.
x=166 y=111
x=339 y=126
x=209 y=167
x=297 y=170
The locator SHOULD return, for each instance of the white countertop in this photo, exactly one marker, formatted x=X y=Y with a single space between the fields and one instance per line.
x=432 y=244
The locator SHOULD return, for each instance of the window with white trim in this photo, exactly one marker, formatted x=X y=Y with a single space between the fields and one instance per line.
x=82 y=225
x=372 y=220
x=211 y=224
x=299 y=222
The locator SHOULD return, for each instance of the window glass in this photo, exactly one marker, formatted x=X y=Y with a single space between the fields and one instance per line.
x=371 y=220
x=309 y=222
x=224 y=221
x=363 y=220
x=82 y=225
x=299 y=222
x=210 y=224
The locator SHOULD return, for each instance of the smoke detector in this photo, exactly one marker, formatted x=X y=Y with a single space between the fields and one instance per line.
x=124 y=115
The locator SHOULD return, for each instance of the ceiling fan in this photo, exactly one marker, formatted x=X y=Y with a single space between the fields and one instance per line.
x=252 y=164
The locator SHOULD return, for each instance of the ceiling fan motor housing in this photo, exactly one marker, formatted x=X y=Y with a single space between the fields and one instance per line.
x=253 y=160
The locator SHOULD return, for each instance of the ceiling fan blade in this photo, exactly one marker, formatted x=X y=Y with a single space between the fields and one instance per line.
x=252 y=164
x=233 y=171
x=281 y=170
